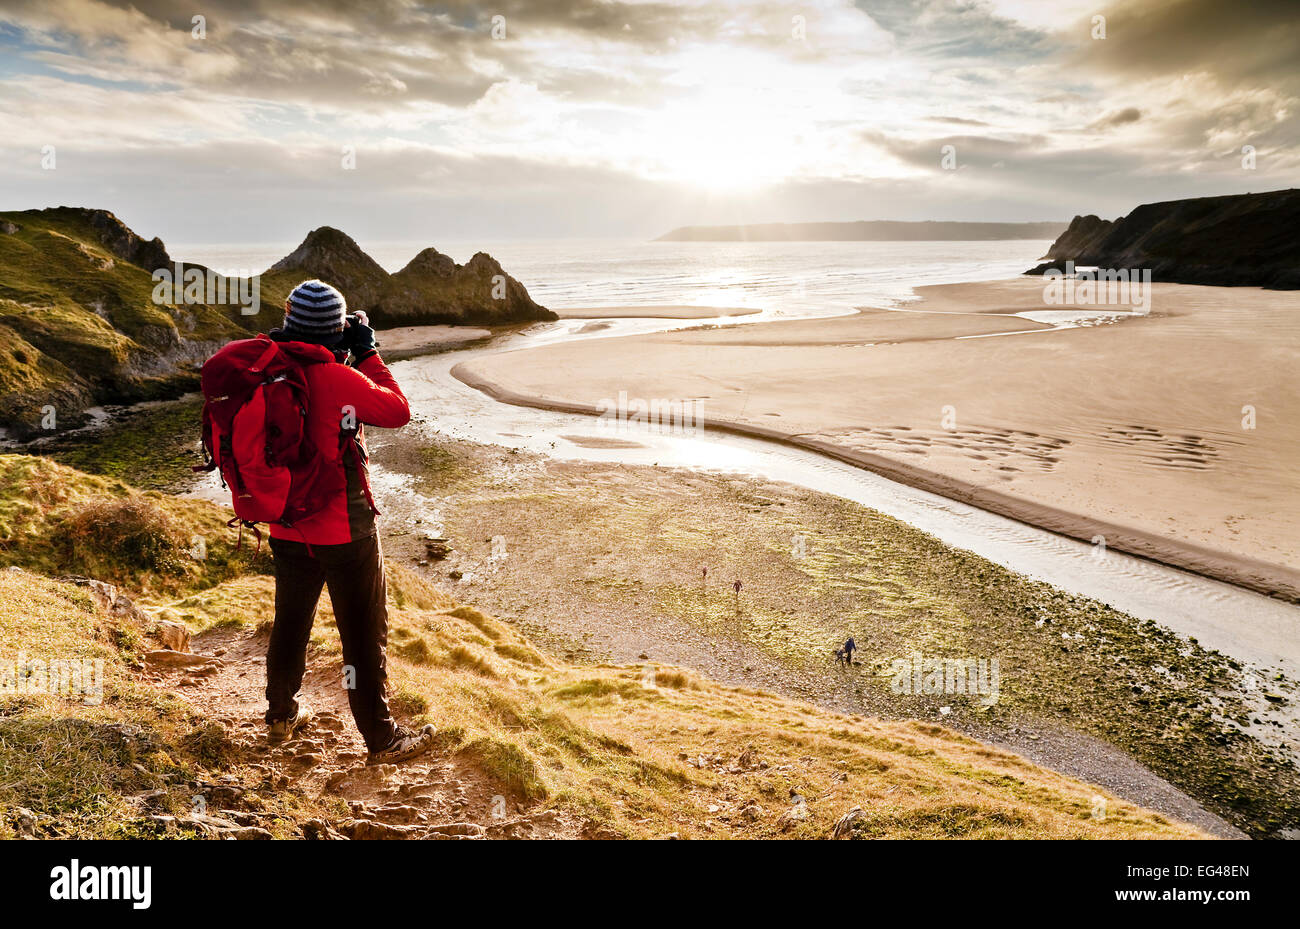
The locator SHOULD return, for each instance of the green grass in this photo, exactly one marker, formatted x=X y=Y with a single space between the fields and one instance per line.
x=152 y=448
x=84 y=324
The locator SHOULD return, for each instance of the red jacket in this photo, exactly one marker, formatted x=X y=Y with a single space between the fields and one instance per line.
x=344 y=396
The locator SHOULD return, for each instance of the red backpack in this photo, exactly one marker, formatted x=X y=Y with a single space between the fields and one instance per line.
x=255 y=409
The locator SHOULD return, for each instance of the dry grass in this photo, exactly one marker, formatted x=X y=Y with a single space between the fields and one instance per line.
x=104 y=537
x=56 y=520
x=636 y=751
x=651 y=751
x=76 y=764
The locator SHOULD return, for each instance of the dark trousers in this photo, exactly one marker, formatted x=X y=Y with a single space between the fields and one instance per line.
x=354 y=574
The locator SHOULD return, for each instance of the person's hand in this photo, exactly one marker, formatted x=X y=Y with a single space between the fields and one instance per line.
x=360 y=338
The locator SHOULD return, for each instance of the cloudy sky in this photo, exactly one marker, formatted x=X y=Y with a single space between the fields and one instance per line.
x=528 y=118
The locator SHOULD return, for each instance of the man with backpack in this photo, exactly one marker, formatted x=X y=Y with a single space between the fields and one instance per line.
x=288 y=439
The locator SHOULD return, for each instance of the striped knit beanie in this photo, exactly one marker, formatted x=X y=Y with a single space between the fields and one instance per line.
x=316 y=310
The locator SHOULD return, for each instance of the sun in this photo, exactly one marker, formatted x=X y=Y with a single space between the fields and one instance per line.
x=722 y=141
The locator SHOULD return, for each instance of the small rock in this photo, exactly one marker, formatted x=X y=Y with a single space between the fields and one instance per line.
x=103 y=594
x=239 y=817
x=173 y=635
x=844 y=825
x=244 y=833
x=461 y=829
x=318 y=830
x=398 y=813
x=362 y=829
x=796 y=814
x=210 y=825
x=24 y=821
x=226 y=794
x=166 y=658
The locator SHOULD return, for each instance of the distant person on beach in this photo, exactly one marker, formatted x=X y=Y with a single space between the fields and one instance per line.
x=844 y=655
x=323 y=364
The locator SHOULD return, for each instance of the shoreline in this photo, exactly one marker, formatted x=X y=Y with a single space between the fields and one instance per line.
x=1260 y=577
x=665 y=311
x=1132 y=433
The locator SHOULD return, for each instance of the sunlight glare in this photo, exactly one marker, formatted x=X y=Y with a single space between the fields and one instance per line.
x=726 y=140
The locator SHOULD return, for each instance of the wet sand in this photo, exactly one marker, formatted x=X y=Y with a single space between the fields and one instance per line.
x=653 y=312
x=1136 y=434
x=409 y=341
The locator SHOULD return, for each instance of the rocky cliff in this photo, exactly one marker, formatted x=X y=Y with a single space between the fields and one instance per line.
x=1240 y=240
x=432 y=288
x=82 y=321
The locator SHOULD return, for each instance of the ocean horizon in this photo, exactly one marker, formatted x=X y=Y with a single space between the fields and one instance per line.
x=769 y=275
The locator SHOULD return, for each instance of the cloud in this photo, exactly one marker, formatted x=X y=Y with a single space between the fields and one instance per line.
x=653 y=106
x=958 y=121
x=1245 y=43
x=1130 y=114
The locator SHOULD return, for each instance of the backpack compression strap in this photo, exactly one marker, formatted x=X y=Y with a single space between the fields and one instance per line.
x=264 y=359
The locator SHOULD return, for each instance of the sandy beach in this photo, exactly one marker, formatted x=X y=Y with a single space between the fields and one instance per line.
x=654 y=312
x=1167 y=436
x=408 y=341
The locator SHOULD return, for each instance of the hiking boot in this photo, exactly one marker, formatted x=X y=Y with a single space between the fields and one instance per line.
x=406 y=744
x=281 y=729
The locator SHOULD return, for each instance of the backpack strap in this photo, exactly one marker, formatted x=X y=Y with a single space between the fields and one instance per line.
x=252 y=526
x=265 y=358
x=349 y=436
